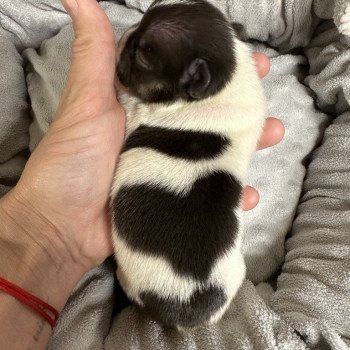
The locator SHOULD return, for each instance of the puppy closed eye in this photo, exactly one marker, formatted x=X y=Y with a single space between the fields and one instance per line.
x=141 y=57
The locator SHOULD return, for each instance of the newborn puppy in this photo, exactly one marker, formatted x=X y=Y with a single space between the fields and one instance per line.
x=195 y=108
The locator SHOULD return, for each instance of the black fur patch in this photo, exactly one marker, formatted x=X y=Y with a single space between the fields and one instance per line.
x=201 y=306
x=190 y=231
x=191 y=145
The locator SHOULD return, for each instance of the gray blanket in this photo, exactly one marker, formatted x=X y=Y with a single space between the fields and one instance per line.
x=308 y=87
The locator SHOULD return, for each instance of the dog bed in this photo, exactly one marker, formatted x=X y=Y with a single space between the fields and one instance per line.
x=296 y=242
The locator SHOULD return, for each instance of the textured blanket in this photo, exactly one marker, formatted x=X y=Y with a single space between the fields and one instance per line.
x=305 y=247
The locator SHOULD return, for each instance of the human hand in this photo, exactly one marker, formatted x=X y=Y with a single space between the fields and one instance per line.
x=272 y=134
x=60 y=205
x=54 y=224
x=68 y=177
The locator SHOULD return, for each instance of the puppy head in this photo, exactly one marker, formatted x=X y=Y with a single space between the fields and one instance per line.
x=180 y=50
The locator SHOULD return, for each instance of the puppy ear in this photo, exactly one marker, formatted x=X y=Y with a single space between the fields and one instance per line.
x=196 y=79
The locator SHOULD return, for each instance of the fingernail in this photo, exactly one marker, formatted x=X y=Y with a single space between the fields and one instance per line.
x=71 y=6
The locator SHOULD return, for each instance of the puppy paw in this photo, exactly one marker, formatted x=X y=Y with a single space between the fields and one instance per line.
x=344 y=27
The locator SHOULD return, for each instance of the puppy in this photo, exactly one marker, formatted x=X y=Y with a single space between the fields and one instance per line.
x=195 y=108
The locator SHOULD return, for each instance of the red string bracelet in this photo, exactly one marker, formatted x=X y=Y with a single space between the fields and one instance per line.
x=46 y=311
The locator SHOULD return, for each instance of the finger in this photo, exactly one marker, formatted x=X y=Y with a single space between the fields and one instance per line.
x=272 y=134
x=262 y=64
x=93 y=56
x=250 y=198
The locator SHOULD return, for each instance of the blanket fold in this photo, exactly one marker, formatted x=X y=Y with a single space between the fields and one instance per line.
x=14 y=116
x=314 y=287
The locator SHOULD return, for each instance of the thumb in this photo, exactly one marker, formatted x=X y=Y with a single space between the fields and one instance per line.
x=93 y=53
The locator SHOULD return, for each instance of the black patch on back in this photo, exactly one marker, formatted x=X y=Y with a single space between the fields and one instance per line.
x=201 y=306
x=190 y=231
x=191 y=145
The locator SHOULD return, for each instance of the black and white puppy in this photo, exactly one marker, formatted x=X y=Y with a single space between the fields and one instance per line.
x=195 y=108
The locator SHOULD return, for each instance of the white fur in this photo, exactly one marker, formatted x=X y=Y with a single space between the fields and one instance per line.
x=344 y=28
x=237 y=112
x=166 y=172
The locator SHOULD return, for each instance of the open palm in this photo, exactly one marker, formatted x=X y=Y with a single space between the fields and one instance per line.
x=68 y=177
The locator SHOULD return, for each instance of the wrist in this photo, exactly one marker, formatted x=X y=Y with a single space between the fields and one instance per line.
x=33 y=256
